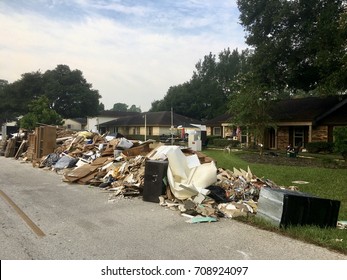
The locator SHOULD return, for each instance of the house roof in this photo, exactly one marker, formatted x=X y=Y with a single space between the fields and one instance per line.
x=306 y=109
x=330 y=109
x=162 y=118
x=225 y=118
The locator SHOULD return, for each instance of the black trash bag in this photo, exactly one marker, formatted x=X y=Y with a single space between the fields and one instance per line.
x=218 y=194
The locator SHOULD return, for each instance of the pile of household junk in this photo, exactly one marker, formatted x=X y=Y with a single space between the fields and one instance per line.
x=173 y=176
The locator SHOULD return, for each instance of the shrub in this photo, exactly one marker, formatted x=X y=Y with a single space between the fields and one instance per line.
x=318 y=147
x=340 y=144
x=210 y=139
x=226 y=142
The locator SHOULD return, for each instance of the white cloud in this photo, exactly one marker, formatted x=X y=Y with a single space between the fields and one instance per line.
x=127 y=63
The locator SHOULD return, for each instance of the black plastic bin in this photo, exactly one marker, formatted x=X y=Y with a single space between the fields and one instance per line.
x=154 y=186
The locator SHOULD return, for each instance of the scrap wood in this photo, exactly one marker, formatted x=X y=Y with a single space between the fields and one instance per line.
x=21 y=148
x=80 y=172
x=241 y=187
x=137 y=150
x=11 y=147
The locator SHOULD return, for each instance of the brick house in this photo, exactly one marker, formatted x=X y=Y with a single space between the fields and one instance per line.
x=304 y=120
x=296 y=121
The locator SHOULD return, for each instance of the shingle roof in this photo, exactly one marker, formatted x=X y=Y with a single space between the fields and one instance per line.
x=225 y=118
x=303 y=109
x=311 y=109
x=152 y=119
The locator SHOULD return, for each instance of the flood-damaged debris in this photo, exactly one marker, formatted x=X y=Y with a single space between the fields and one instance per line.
x=175 y=177
x=342 y=224
x=287 y=207
x=201 y=219
x=155 y=180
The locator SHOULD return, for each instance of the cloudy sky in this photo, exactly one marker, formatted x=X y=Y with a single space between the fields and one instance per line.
x=132 y=51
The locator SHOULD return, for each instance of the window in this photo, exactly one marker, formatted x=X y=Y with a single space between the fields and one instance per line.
x=150 y=130
x=217 y=131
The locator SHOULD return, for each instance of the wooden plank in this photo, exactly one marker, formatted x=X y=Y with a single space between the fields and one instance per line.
x=11 y=148
x=21 y=149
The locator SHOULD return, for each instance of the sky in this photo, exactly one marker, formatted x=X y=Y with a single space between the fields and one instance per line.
x=131 y=51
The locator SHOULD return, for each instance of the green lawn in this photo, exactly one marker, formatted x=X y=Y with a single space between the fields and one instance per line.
x=323 y=182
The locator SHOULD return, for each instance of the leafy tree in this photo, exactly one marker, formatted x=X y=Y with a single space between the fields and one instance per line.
x=156 y=106
x=4 y=114
x=68 y=93
x=206 y=94
x=20 y=93
x=298 y=44
x=40 y=112
x=133 y=108
x=249 y=104
x=101 y=107
x=121 y=107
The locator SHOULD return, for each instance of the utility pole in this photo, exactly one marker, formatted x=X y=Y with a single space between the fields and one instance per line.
x=145 y=127
x=172 y=127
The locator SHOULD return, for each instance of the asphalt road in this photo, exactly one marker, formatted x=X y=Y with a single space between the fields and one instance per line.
x=71 y=221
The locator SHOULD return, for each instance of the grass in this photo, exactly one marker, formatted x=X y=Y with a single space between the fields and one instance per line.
x=323 y=182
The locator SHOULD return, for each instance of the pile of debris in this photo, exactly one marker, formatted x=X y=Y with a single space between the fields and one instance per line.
x=193 y=184
x=188 y=182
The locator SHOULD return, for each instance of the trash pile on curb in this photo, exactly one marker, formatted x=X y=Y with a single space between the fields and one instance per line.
x=186 y=181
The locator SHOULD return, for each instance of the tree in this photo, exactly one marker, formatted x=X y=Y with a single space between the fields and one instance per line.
x=40 y=112
x=340 y=144
x=68 y=93
x=101 y=107
x=4 y=115
x=120 y=107
x=249 y=105
x=133 y=108
x=20 y=93
x=297 y=44
x=205 y=96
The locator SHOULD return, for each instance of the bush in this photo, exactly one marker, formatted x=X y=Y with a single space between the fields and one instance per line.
x=210 y=139
x=319 y=147
x=340 y=144
x=226 y=142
